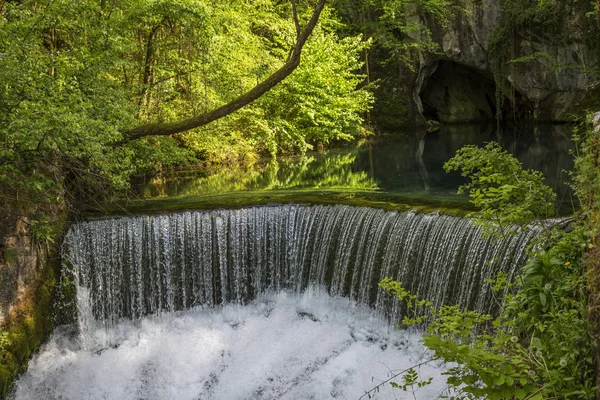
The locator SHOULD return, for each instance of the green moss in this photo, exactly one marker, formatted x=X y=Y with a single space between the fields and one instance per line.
x=24 y=334
x=7 y=375
x=65 y=306
x=9 y=255
x=445 y=204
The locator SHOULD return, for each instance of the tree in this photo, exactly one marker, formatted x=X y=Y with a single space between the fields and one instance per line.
x=91 y=87
x=293 y=61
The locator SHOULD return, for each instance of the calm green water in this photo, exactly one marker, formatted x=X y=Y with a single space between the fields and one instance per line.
x=396 y=165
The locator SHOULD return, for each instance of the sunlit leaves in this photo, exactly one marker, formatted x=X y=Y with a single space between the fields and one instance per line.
x=74 y=76
x=321 y=102
x=505 y=193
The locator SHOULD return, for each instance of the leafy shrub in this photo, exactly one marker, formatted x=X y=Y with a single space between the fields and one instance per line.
x=504 y=192
x=541 y=346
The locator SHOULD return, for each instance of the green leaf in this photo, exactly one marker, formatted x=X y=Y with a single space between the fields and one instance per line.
x=499 y=380
x=543 y=299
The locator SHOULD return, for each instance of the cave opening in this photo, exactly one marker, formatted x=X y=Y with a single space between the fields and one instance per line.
x=456 y=93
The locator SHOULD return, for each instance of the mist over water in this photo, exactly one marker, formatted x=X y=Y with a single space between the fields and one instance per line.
x=281 y=346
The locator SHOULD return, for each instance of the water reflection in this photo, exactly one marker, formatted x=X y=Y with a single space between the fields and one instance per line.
x=415 y=163
x=327 y=170
x=403 y=163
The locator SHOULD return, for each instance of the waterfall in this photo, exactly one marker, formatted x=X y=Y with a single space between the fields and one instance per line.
x=129 y=267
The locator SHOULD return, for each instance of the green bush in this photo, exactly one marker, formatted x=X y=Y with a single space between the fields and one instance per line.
x=541 y=346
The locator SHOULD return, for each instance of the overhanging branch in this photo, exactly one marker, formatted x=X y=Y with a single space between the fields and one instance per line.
x=171 y=128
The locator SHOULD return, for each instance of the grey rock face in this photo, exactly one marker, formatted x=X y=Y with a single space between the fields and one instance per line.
x=551 y=81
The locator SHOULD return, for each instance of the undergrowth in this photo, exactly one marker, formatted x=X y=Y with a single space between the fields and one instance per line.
x=542 y=345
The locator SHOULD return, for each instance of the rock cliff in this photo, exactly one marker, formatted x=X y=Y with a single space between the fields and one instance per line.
x=496 y=59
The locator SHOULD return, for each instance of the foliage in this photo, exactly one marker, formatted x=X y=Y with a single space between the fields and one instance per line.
x=318 y=104
x=401 y=35
x=541 y=345
x=586 y=180
x=75 y=76
x=393 y=26
x=410 y=381
x=505 y=193
x=587 y=188
x=484 y=368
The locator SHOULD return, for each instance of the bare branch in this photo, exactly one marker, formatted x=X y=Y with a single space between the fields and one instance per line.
x=296 y=20
x=171 y=128
x=376 y=388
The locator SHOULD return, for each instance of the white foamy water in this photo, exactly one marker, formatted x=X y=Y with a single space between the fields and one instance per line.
x=282 y=346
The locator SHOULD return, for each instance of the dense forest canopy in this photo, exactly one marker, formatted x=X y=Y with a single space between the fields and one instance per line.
x=95 y=92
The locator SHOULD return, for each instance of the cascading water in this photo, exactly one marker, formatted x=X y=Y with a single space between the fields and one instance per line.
x=136 y=266
x=283 y=302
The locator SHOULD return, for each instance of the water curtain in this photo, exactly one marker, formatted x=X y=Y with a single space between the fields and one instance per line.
x=130 y=267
